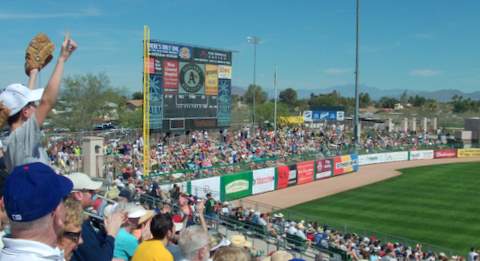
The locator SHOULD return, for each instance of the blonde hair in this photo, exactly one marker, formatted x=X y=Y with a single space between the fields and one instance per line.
x=231 y=253
x=4 y=114
x=73 y=213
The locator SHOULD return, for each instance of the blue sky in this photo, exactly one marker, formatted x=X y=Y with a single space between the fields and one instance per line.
x=408 y=44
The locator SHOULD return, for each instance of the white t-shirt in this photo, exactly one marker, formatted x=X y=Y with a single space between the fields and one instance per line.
x=28 y=250
x=25 y=145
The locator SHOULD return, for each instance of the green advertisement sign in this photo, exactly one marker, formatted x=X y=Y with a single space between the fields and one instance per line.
x=235 y=186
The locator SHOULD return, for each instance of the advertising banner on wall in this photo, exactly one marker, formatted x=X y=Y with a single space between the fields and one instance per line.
x=374 y=158
x=292 y=175
x=396 y=156
x=156 y=102
x=200 y=187
x=421 y=154
x=212 y=56
x=282 y=177
x=170 y=76
x=236 y=186
x=224 y=102
x=345 y=164
x=211 y=79
x=225 y=72
x=464 y=153
x=324 y=169
x=305 y=172
x=263 y=180
x=447 y=153
x=165 y=50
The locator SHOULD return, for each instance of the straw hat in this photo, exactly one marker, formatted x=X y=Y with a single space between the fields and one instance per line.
x=279 y=255
x=240 y=241
x=149 y=215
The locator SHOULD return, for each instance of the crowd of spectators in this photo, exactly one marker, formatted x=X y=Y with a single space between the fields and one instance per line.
x=47 y=215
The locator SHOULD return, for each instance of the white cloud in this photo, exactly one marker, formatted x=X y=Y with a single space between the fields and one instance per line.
x=425 y=72
x=90 y=12
x=336 y=71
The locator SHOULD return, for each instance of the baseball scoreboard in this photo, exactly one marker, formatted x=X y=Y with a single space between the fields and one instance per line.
x=190 y=87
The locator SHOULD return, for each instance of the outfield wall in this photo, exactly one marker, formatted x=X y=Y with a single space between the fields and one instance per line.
x=243 y=184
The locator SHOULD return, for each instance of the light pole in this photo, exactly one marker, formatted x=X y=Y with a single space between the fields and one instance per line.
x=254 y=40
x=357 y=111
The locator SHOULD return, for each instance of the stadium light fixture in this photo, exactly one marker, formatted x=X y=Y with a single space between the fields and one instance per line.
x=255 y=41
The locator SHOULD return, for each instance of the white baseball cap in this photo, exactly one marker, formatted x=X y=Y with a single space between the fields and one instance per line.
x=136 y=212
x=16 y=96
x=83 y=181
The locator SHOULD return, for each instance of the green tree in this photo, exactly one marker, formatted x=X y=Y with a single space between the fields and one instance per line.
x=137 y=96
x=417 y=101
x=404 y=97
x=131 y=119
x=288 y=96
x=260 y=94
x=364 y=100
x=265 y=111
x=387 y=102
x=86 y=100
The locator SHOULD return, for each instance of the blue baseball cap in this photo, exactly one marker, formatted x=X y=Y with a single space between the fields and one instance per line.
x=33 y=190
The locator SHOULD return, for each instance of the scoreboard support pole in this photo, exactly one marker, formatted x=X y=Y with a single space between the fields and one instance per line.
x=146 y=100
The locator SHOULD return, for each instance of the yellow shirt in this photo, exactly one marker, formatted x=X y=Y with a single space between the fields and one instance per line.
x=152 y=250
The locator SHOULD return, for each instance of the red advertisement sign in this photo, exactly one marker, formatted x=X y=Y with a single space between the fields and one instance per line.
x=324 y=169
x=305 y=172
x=282 y=177
x=447 y=153
x=170 y=76
x=151 y=65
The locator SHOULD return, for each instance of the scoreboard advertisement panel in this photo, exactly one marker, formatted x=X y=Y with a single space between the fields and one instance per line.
x=190 y=86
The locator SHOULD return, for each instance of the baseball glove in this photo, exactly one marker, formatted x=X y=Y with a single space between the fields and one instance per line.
x=39 y=53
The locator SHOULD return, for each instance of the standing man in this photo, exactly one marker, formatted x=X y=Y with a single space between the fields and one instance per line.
x=33 y=199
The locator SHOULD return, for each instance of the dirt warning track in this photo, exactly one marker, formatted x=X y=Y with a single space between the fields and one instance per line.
x=368 y=174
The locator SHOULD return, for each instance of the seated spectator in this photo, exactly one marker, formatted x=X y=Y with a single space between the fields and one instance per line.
x=125 y=242
x=240 y=241
x=71 y=236
x=279 y=255
x=33 y=200
x=231 y=253
x=3 y=214
x=155 y=249
x=98 y=242
x=194 y=244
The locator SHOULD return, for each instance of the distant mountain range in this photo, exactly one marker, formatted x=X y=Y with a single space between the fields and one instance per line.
x=376 y=93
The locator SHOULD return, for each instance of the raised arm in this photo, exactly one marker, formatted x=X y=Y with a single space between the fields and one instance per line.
x=49 y=97
x=32 y=79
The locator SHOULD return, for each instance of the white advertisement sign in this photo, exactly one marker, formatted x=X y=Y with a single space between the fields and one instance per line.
x=263 y=180
x=200 y=187
x=307 y=116
x=421 y=154
x=376 y=158
x=396 y=156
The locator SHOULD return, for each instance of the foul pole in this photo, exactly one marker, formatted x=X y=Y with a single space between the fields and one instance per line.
x=146 y=100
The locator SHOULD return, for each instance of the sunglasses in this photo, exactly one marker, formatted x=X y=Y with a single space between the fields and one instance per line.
x=74 y=236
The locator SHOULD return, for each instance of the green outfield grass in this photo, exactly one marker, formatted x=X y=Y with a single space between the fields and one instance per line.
x=439 y=205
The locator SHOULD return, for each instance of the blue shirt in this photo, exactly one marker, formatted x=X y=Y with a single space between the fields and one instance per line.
x=96 y=246
x=125 y=245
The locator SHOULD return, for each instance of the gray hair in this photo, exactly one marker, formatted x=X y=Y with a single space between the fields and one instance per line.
x=191 y=240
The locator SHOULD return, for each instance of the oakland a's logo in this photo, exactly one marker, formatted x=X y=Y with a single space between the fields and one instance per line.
x=191 y=78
